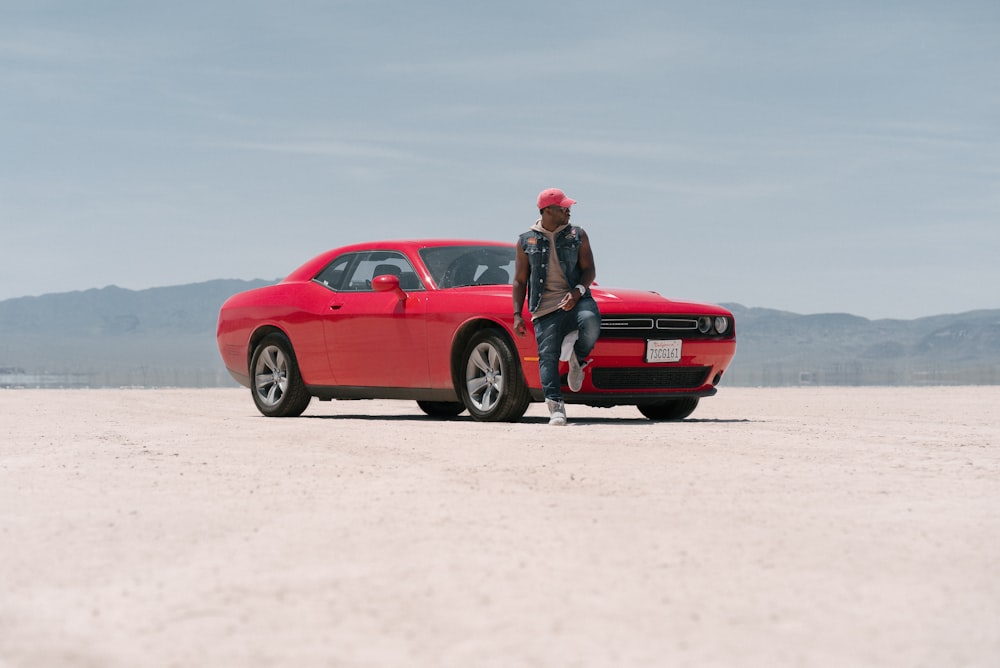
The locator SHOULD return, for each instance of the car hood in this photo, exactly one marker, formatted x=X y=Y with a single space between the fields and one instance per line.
x=624 y=300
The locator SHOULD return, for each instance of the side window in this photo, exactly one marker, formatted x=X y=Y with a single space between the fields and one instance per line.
x=333 y=276
x=354 y=272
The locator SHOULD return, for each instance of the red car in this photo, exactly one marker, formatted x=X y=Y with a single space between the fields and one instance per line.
x=431 y=321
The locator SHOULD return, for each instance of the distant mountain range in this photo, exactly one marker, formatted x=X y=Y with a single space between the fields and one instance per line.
x=112 y=337
x=165 y=337
x=782 y=348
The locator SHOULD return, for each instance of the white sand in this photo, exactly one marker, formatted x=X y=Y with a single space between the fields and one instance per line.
x=777 y=527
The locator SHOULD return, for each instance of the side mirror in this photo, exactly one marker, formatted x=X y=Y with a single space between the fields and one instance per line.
x=388 y=283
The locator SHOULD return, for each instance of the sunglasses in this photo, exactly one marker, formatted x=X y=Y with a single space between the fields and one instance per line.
x=563 y=209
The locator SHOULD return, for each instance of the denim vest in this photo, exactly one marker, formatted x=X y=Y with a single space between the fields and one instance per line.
x=536 y=246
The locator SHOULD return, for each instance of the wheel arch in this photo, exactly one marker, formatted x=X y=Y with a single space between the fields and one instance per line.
x=258 y=335
x=461 y=339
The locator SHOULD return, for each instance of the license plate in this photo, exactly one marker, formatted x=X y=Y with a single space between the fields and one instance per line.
x=658 y=350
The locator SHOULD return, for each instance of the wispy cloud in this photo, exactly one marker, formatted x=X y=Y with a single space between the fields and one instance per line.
x=620 y=54
x=326 y=148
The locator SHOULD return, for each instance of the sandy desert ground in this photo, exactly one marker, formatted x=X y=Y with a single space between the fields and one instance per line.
x=776 y=527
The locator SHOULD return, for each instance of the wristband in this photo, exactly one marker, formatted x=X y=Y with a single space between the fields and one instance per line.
x=582 y=288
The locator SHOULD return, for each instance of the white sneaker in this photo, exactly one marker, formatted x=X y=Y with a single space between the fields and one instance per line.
x=557 y=413
x=575 y=376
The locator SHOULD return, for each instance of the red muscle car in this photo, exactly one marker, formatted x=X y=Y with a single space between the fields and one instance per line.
x=432 y=321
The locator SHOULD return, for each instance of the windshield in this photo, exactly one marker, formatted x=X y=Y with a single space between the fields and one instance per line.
x=457 y=266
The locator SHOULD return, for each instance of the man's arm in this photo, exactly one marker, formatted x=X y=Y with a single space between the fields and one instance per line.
x=586 y=261
x=522 y=272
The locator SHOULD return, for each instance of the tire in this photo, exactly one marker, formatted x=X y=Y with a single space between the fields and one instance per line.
x=492 y=386
x=442 y=409
x=275 y=382
x=669 y=409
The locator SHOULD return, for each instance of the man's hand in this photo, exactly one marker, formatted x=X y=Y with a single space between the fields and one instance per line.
x=570 y=300
x=519 y=327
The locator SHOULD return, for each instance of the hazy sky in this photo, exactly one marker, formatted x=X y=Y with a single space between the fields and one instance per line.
x=807 y=156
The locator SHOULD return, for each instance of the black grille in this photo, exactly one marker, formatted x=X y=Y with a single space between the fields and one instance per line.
x=655 y=326
x=627 y=324
x=641 y=378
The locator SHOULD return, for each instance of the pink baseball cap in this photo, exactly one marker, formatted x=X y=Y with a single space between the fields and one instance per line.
x=554 y=197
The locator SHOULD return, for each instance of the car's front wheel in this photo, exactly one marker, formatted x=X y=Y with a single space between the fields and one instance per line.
x=492 y=387
x=277 y=387
x=669 y=409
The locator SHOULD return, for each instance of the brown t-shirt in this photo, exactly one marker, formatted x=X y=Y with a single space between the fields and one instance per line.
x=556 y=286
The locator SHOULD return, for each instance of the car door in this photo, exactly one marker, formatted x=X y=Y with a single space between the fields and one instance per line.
x=373 y=338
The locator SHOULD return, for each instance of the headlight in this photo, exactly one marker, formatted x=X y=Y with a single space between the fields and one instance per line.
x=721 y=324
x=704 y=324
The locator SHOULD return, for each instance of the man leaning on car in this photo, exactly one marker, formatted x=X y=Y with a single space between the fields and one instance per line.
x=558 y=292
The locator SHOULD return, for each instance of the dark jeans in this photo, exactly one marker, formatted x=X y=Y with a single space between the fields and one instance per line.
x=552 y=328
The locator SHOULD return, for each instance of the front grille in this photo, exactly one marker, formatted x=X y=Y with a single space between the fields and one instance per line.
x=646 y=378
x=677 y=324
x=653 y=327
x=614 y=324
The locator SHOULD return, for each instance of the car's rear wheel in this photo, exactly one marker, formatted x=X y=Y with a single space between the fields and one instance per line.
x=442 y=408
x=276 y=385
x=493 y=387
x=669 y=409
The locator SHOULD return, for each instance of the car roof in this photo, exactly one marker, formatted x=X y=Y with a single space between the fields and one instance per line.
x=310 y=268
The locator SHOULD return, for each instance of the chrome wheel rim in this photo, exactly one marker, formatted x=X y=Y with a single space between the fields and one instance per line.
x=271 y=376
x=484 y=377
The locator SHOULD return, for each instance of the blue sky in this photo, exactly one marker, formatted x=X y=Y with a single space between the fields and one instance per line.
x=811 y=157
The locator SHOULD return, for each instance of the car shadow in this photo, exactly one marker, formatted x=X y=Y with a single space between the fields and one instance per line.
x=634 y=421
x=541 y=420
